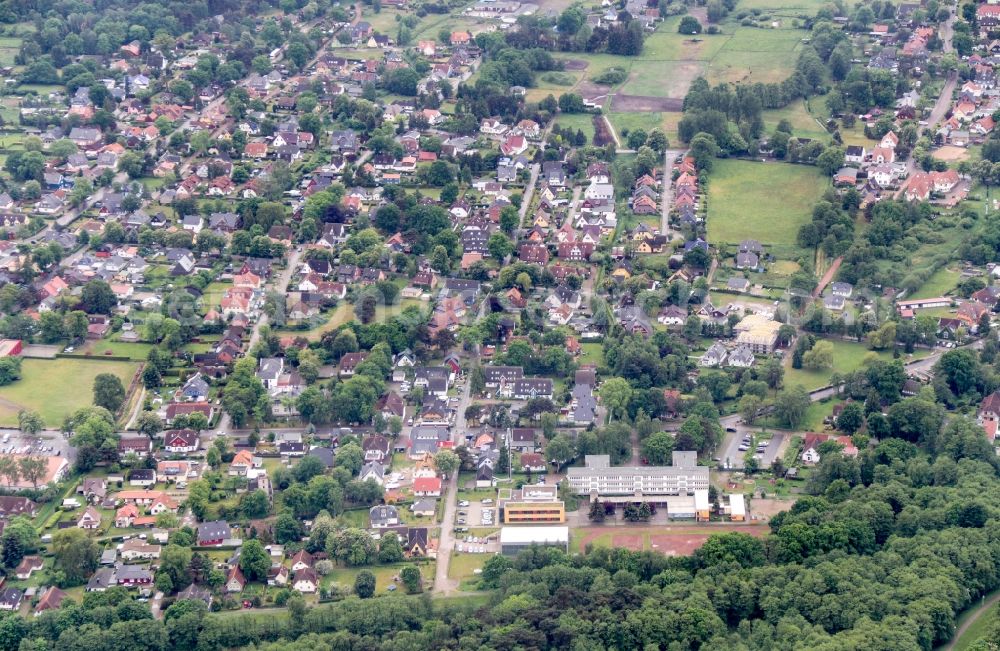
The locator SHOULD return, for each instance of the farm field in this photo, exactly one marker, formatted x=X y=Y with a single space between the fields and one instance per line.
x=847 y=357
x=56 y=388
x=671 y=61
x=763 y=201
x=756 y=55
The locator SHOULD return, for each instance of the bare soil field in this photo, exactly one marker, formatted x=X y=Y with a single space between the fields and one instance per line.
x=951 y=153
x=623 y=103
x=677 y=540
x=630 y=542
x=575 y=64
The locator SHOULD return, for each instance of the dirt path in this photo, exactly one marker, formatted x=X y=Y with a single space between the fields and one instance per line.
x=827 y=277
x=982 y=610
x=614 y=134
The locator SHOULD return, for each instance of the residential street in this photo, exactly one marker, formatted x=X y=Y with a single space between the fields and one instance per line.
x=279 y=284
x=667 y=198
x=446 y=542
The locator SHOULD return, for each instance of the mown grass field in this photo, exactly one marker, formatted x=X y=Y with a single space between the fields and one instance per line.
x=756 y=55
x=56 y=388
x=583 y=122
x=802 y=115
x=847 y=357
x=942 y=282
x=343 y=313
x=763 y=201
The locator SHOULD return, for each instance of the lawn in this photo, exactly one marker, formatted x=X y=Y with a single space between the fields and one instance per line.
x=942 y=282
x=577 y=122
x=343 y=313
x=592 y=354
x=56 y=388
x=801 y=116
x=136 y=351
x=462 y=567
x=762 y=201
x=383 y=576
x=847 y=357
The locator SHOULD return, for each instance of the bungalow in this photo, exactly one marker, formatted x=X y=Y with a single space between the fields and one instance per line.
x=137 y=549
x=27 y=566
x=425 y=507
x=10 y=599
x=427 y=487
x=140 y=446
x=51 y=599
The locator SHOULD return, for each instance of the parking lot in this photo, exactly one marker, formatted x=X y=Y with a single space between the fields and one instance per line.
x=47 y=443
x=477 y=544
x=475 y=514
x=764 y=448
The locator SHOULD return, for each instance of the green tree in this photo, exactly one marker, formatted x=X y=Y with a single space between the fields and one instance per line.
x=30 y=422
x=615 y=393
x=174 y=562
x=389 y=549
x=658 y=448
x=851 y=418
x=689 y=25
x=109 y=392
x=596 y=513
x=364 y=584
x=254 y=561
x=818 y=357
x=559 y=451
x=76 y=555
x=412 y=581
x=791 y=405
x=446 y=462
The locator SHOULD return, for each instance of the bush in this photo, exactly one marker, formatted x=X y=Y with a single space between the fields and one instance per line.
x=611 y=76
x=558 y=79
x=689 y=25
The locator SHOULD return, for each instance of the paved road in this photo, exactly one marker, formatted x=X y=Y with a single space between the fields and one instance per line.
x=943 y=102
x=529 y=191
x=279 y=284
x=446 y=543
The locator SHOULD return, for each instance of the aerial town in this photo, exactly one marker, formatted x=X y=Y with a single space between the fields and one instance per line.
x=499 y=325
